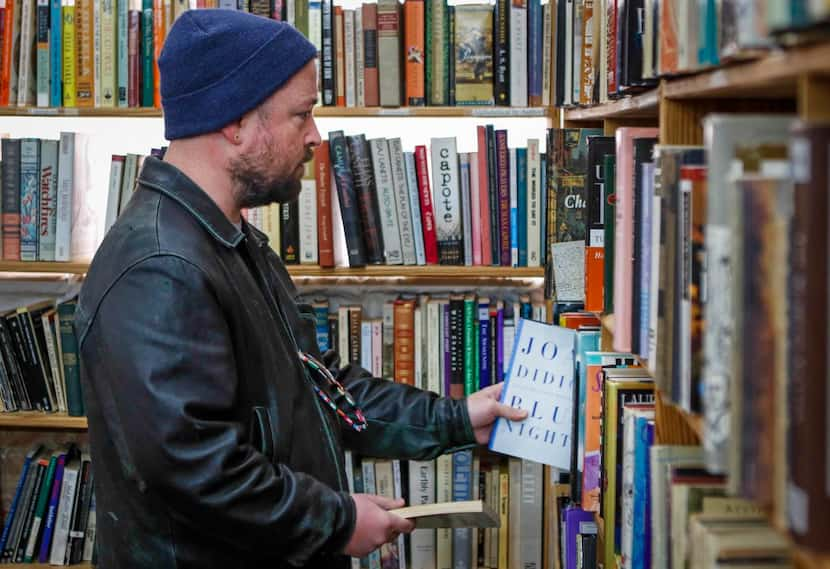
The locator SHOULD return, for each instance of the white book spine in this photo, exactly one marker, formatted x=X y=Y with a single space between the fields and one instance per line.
x=514 y=211
x=420 y=380
x=377 y=348
x=63 y=520
x=25 y=72
x=443 y=493
x=403 y=202
x=415 y=207
x=569 y=67
x=338 y=234
x=91 y=527
x=291 y=12
x=518 y=53
x=360 y=84
x=398 y=492
x=349 y=56
x=547 y=50
x=128 y=181
x=55 y=364
x=63 y=226
x=109 y=40
x=434 y=347
x=464 y=160
x=530 y=531
x=514 y=552
x=48 y=189
x=343 y=337
x=366 y=345
x=655 y=281
x=533 y=202
x=387 y=204
x=422 y=491
x=308 y=222
x=114 y=195
x=579 y=7
x=96 y=57
x=627 y=498
x=446 y=195
x=315 y=24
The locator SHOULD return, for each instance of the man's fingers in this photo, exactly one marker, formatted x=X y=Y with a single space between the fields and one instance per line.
x=511 y=413
x=385 y=503
x=402 y=525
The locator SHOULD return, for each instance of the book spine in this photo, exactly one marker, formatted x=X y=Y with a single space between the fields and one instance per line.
x=347 y=197
x=70 y=54
x=483 y=189
x=462 y=489
x=40 y=510
x=328 y=65
x=484 y=353
x=450 y=51
x=404 y=341
x=49 y=524
x=389 y=53
x=501 y=49
x=361 y=167
x=387 y=202
x=134 y=54
x=470 y=378
x=43 y=59
x=514 y=208
x=448 y=226
x=69 y=349
x=109 y=40
x=493 y=196
x=122 y=11
x=466 y=207
x=518 y=53
x=96 y=51
x=29 y=198
x=10 y=516
x=404 y=209
x=63 y=225
x=443 y=493
x=371 y=84
x=308 y=218
x=437 y=47
x=548 y=58
x=359 y=59
x=322 y=171
x=65 y=508
x=55 y=53
x=415 y=207
x=147 y=51
x=534 y=53
x=48 y=200
x=533 y=225
x=414 y=52
x=84 y=16
x=503 y=184
x=26 y=89
x=290 y=233
x=422 y=491
x=8 y=46
x=11 y=199
x=522 y=206
x=349 y=58
x=427 y=213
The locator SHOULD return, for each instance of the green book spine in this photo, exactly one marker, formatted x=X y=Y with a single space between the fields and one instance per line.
x=301 y=17
x=428 y=51
x=40 y=509
x=609 y=203
x=469 y=345
x=476 y=351
x=147 y=84
x=71 y=369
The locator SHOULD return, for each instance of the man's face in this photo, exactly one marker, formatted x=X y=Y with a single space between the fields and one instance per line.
x=278 y=138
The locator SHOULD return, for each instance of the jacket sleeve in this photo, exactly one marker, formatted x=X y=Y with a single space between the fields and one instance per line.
x=164 y=367
x=404 y=422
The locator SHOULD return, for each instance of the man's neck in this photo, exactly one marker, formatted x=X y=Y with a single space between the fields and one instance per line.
x=193 y=158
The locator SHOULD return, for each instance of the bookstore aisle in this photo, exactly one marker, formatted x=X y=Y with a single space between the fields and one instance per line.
x=651 y=175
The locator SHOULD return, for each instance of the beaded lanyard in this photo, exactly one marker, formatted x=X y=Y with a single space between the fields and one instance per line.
x=354 y=416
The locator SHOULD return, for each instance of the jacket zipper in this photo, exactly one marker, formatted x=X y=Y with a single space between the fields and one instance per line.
x=284 y=321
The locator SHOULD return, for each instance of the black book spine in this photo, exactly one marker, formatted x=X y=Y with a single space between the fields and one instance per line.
x=43 y=353
x=493 y=194
x=561 y=52
x=23 y=360
x=37 y=380
x=328 y=69
x=79 y=525
x=451 y=48
x=501 y=49
x=503 y=181
x=456 y=347
x=598 y=147
x=11 y=198
x=346 y=194
x=290 y=232
x=20 y=514
x=576 y=479
x=13 y=366
x=29 y=512
x=364 y=183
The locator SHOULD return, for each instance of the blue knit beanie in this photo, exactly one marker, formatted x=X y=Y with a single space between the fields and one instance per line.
x=216 y=65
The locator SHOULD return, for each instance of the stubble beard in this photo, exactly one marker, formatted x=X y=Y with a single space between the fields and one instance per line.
x=256 y=183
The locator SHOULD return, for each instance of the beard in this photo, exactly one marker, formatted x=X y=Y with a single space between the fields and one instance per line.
x=260 y=179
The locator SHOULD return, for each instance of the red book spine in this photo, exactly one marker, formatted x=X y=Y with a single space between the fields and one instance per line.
x=322 y=174
x=484 y=197
x=6 y=59
x=427 y=213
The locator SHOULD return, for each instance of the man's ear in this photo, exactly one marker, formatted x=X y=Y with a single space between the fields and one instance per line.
x=232 y=132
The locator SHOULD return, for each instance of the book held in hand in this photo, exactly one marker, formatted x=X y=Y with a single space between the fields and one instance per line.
x=463 y=514
x=540 y=379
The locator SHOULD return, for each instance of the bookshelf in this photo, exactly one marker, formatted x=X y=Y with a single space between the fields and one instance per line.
x=37 y=420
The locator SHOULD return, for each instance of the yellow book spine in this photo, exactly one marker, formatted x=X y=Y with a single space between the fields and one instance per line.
x=70 y=54
x=108 y=43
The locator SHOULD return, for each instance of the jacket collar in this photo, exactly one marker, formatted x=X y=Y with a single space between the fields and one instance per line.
x=172 y=182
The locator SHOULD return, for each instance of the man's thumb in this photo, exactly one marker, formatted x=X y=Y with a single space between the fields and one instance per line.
x=385 y=503
x=511 y=413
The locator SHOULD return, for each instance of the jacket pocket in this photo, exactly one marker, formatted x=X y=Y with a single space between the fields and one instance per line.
x=262 y=432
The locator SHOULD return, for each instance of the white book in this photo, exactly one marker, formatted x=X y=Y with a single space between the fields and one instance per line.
x=422 y=491
x=26 y=64
x=343 y=339
x=42 y=66
x=547 y=51
x=420 y=380
x=402 y=201
x=534 y=197
x=360 y=84
x=48 y=190
x=446 y=196
x=366 y=345
x=655 y=282
x=338 y=234
x=443 y=493
x=377 y=348
x=114 y=194
x=518 y=53
x=530 y=522
x=128 y=181
x=55 y=364
x=538 y=379
x=291 y=12
x=466 y=207
x=108 y=84
x=577 y=51
x=475 y=209
x=415 y=207
x=349 y=57
x=369 y=487
x=315 y=24
x=63 y=226
x=307 y=208
x=387 y=203
x=398 y=493
x=628 y=530
x=96 y=52
x=66 y=506
x=434 y=348
x=599 y=8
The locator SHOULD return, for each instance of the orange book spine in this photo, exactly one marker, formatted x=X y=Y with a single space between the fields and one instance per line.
x=322 y=175
x=84 y=21
x=404 y=326
x=594 y=278
x=340 y=56
x=414 y=52
x=371 y=86
x=484 y=197
x=8 y=45
x=159 y=35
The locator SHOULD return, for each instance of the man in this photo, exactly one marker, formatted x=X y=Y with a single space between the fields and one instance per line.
x=210 y=443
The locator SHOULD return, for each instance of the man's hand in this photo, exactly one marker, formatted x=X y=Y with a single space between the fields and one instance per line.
x=374 y=525
x=483 y=407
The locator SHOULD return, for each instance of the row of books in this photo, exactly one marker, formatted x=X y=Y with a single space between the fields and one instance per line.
x=39 y=359
x=719 y=271
x=519 y=490
x=91 y=53
x=52 y=516
x=610 y=48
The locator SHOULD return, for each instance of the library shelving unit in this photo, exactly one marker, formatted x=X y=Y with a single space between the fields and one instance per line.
x=795 y=80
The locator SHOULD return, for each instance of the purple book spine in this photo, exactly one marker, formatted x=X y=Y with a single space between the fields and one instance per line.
x=49 y=527
x=500 y=343
x=572 y=519
x=446 y=349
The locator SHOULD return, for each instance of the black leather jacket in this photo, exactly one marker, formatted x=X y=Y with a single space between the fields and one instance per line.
x=210 y=448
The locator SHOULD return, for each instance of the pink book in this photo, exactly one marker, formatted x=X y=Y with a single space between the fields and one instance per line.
x=475 y=209
x=484 y=197
x=624 y=234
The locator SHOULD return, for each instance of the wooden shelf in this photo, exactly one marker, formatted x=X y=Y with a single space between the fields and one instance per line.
x=45 y=566
x=39 y=420
x=641 y=105
x=432 y=274
x=807 y=560
x=43 y=267
x=322 y=112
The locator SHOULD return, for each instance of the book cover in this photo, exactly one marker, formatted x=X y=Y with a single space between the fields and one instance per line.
x=389 y=51
x=474 y=54
x=386 y=200
x=347 y=199
x=403 y=202
x=447 y=200
x=540 y=379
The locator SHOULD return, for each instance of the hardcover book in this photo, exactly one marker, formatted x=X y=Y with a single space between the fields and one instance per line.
x=474 y=55
x=540 y=379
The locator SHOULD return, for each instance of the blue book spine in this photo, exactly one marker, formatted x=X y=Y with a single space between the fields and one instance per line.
x=29 y=198
x=54 y=498
x=647 y=196
x=123 y=52
x=586 y=341
x=55 y=54
x=415 y=207
x=462 y=489
x=647 y=495
x=526 y=311
x=534 y=55
x=485 y=359
x=521 y=188
x=13 y=508
x=500 y=344
x=321 y=319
